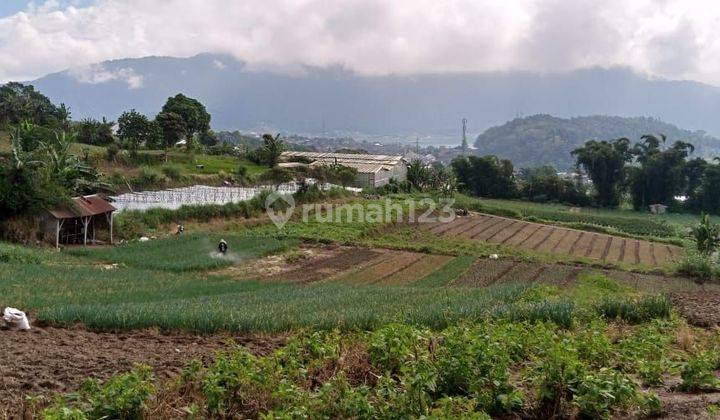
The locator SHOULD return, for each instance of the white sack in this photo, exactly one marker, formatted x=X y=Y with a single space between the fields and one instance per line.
x=16 y=318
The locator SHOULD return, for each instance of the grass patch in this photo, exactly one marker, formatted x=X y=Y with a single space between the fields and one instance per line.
x=635 y=311
x=191 y=252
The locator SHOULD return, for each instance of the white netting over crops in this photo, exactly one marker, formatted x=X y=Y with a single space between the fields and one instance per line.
x=196 y=195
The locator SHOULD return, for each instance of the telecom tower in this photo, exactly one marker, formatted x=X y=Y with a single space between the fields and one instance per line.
x=464 y=145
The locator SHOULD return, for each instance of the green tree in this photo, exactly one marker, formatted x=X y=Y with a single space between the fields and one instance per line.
x=66 y=168
x=193 y=113
x=706 y=236
x=135 y=130
x=660 y=174
x=91 y=131
x=173 y=129
x=605 y=161
x=20 y=103
x=693 y=174
x=418 y=175
x=485 y=176
x=543 y=184
x=706 y=196
x=271 y=149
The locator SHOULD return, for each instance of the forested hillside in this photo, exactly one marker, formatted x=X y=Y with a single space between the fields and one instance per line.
x=546 y=140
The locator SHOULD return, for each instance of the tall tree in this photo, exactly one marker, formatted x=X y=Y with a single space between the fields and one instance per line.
x=605 y=161
x=173 y=129
x=271 y=149
x=485 y=176
x=706 y=196
x=660 y=174
x=20 y=103
x=92 y=131
x=135 y=130
x=193 y=114
x=418 y=175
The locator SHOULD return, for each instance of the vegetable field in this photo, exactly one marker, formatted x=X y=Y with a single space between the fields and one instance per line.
x=558 y=240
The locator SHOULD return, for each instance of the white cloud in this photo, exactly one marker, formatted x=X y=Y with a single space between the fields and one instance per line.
x=668 y=38
x=96 y=73
x=219 y=64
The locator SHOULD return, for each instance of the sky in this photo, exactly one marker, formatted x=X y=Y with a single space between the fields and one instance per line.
x=674 y=39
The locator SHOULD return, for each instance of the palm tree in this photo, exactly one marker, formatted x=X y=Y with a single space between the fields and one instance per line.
x=62 y=165
x=417 y=174
x=272 y=149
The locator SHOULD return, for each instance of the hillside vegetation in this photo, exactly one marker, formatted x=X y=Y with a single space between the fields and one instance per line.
x=546 y=140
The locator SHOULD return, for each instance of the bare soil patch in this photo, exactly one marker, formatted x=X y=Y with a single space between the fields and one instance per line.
x=699 y=307
x=346 y=258
x=48 y=361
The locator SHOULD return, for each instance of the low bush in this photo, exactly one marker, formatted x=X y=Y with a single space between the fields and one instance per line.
x=173 y=171
x=148 y=177
x=396 y=371
x=121 y=397
x=18 y=254
x=698 y=374
x=697 y=266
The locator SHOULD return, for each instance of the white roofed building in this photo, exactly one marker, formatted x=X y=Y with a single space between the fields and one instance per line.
x=373 y=170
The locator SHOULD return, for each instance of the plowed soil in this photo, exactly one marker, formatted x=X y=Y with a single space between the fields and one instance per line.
x=558 y=240
x=418 y=270
x=329 y=267
x=699 y=308
x=47 y=361
x=382 y=268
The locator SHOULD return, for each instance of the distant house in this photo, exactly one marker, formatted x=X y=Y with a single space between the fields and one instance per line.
x=373 y=170
x=426 y=160
x=77 y=222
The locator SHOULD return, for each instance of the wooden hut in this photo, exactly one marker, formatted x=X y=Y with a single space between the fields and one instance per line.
x=76 y=223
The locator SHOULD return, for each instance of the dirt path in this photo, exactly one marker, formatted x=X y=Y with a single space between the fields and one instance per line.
x=47 y=361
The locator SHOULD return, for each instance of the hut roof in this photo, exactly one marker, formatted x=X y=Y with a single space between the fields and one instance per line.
x=89 y=205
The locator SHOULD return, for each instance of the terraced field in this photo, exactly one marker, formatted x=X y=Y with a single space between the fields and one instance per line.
x=558 y=240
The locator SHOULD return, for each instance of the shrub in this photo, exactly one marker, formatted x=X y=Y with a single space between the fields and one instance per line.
x=148 y=177
x=121 y=397
x=17 y=254
x=471 y=364
x=698 y=374
x=556 y=375
x=651 y=372
x=173 y=171
x=696 y=266
x=599 y=392
x=706 y=236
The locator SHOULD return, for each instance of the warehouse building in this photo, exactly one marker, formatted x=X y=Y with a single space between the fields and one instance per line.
x=373 y=170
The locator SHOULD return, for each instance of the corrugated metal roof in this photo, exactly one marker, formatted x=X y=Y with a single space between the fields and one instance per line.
x=89 y=205
x=344 y=158
x=361 y=167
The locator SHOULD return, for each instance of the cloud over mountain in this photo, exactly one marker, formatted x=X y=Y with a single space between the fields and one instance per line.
x=668 y=38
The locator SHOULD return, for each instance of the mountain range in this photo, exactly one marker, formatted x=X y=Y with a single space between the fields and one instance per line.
x=335 y=100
